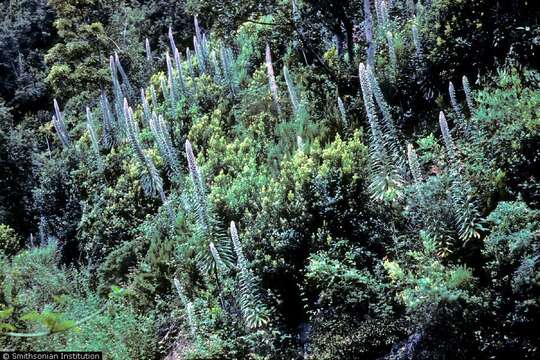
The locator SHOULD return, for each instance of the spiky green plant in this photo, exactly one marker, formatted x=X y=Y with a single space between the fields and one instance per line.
x=254 y=312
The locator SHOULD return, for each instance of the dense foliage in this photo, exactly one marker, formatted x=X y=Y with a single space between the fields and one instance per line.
x=209 y=179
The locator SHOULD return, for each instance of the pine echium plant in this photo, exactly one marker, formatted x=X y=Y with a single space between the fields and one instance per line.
x=414 y=165
x=368 y=32
x=60 y=126
x=342 y=112
x=455 y=106
x=390 y=133
x=254 y=311
x=386 y=180
x=107 y=120
x=214 y=253
x=188 y=306
x=447 y=137
x=93 y=139
x=272 y=79
x=467 y=219
x=148 y=51
x=467 y=91
x=291 y=89
x=391 y=52
x=417 y=42
x=151 y=180
x=163 y=140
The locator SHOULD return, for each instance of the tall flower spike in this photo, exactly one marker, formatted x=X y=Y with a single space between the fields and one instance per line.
x=123 y=75
x=414 y=165
x=93 y=138
x=467 y=91
x=384 y=14
x=391 y=51
x=368 y=32
x=237 y=245
x=198 y=185
x=342 y=113
x=271 y=78
x=228 y=69
x=148 y=50
x=172 y=44
x=453 y=101
x=215 y=255
x=59 y=125
x=291 y=89
x=188 y=306
x=416 y=41
x=378 y=12
x=448 y=142
x=107 y=119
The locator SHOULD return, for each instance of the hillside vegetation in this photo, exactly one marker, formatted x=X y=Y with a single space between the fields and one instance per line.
x=300 y=179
